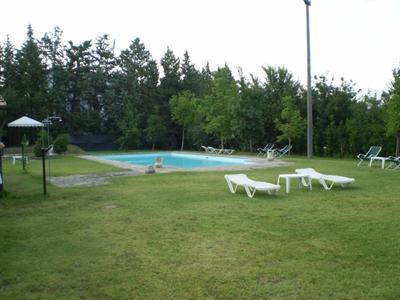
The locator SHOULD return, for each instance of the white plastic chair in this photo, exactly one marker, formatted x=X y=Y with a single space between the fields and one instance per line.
x=327 y=181
x=250 y=186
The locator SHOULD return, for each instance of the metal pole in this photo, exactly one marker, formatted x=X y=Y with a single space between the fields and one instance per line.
x=44 y=150
x=309 y=99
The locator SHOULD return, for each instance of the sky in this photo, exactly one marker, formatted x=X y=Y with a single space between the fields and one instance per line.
x=354 y=39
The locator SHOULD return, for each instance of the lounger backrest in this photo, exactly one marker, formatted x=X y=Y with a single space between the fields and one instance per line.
x=310 y=172
x=286 y=149
x=373 y=151
x=240 y=179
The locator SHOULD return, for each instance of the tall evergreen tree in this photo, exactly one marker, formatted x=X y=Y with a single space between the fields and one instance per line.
x=170 y=85
x=139 y=79
x=8 y=79
x=31 y=81
x=393 y=110
x=190 y=76
x=102 y=83
x=80 y=96
x=54 y=55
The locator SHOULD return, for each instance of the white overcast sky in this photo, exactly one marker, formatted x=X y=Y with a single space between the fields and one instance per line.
x=354 y=39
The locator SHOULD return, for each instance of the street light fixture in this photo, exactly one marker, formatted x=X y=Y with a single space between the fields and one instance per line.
x=309 y=99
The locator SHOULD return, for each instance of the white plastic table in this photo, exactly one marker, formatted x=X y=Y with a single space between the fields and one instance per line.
x=381 y=158
x=304 y=180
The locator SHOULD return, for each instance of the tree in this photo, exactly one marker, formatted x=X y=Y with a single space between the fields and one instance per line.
x=249 y=113
x=137 y=85
x=31 y=82
x=190 y=76
x=393 y=111
x=219 y=106
x=80 y=99
x=279 y=83
x=8 y=77
x=183 y=110
x=155 y=130
x=170 y=85
x=54 y=57
x=291 y=125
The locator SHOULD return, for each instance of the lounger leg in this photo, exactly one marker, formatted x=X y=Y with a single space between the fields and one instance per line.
x=249 y=191
x=323 y=183
x=359 y=163
x=230 y=186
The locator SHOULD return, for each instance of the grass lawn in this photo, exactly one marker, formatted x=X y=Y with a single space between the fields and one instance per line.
x=184 y=236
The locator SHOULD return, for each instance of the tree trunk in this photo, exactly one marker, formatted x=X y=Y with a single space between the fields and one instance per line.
x=183 y=138
x=222 y=142
x=290 y=144
x=251 y=145
x=153 y=147
x=397 y=145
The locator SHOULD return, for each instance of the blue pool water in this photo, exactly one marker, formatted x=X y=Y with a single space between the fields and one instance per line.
x=178 y=160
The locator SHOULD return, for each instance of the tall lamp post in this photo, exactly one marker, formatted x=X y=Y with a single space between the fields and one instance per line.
x=309 y=99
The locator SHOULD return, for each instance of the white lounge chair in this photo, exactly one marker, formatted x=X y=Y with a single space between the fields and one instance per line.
x=264 y=151
x=327 y=181
x=225 y=151
x=205 y=149
x=250 y=186
x=283 y=151
x=372 y=152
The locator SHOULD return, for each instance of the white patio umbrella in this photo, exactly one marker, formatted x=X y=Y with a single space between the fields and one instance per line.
x=25 y=122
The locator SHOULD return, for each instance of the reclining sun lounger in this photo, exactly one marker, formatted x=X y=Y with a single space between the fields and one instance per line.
x=394 y=162
x=263 y=151
x=372 y=152
x=283 y=151
x=250 y=186
x=327 y=181
x=225 y=151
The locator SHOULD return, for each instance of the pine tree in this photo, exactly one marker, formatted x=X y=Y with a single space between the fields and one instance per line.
x=139 y=79
x=54 y=56
x=80 y=96
x=31 y=81
x=393 y=111
x=170 y=85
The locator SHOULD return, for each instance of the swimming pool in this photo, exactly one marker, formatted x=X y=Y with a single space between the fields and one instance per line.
x=177 y=160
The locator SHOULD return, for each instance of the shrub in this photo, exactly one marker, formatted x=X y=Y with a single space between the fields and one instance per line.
x=61 y=143
x=42 y=141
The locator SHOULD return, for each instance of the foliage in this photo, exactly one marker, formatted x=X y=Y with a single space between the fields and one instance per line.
x=43 y=141
x=96 y=89
x=291 y=124
x=393 y=111
x=219 y=106
x=184 y=110
x=249 y=116
x=61 y=142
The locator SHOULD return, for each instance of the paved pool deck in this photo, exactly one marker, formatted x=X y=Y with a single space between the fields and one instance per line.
x=254 y=163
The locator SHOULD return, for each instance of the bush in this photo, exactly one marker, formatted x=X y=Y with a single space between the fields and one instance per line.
x=61 y=143
x=42 y=141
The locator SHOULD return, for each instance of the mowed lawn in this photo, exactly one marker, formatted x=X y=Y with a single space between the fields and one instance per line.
x=185 y=236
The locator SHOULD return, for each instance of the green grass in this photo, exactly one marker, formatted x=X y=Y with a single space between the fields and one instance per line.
x=184 y=236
